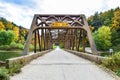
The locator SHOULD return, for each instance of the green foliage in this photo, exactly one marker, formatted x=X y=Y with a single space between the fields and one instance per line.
x=115 y=40
x=104 y=18
x=102 y=38
x=6 y=37
x=14 y=45
x=4 y=47
x=113 y=62
x=81 y=49
x=31 y=48
x=118 y=72
x=61 y=45
x=4 y=74
x=95 y=21
x=20 y=32
x=116 y=48
x=14 y=68
x=54 y=46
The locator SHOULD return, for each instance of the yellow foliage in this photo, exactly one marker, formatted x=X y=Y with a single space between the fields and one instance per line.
x=91 y=28
x=1 y=26
x=16 y=31
x=116 y=20
x=23 y=32
x=22 y=40
x=9 y=25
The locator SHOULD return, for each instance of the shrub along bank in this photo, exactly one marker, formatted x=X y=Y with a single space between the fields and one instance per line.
x=113 y=63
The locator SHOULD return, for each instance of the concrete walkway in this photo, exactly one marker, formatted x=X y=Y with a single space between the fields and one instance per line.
x=61 y=65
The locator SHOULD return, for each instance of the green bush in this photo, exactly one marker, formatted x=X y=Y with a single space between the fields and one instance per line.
x=113 y=62
x=4 y=47
x=116 y=48
x=31 y=48
x=81 y=49
x=14 y=68
x=4 y=74
x=118 y=72
x=14 y=45
x=61 y=45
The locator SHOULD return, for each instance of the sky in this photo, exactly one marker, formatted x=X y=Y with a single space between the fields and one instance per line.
x=21 y=12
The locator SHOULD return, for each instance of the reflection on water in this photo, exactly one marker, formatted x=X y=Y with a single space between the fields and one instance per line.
x=7 y=55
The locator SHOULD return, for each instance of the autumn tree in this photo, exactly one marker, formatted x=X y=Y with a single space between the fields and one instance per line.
x=4 y=21
x=1 y=26
x=116 y=20
x=9 y=26
x=16 y=31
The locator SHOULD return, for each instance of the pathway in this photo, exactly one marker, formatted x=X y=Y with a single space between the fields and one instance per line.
x=61 y=65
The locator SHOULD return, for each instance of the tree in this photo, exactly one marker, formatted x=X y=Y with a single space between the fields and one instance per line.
x=103 y=18
x=103 y=38
x=95 y=21
x=106 y=17
x=116 y=19
x=115 y=39
x=1 y=26
x=16 y=31
x=4 y=21
x=22 y=40
x=6 y=37
x=9 y=25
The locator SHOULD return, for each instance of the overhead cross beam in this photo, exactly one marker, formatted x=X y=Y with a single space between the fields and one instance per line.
x=69 y=29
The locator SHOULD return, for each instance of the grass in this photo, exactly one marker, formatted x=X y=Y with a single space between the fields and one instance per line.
x=7 y=55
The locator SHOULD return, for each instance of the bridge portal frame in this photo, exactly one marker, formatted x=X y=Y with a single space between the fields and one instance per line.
x=74 y=34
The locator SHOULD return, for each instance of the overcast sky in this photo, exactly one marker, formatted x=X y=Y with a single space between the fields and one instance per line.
x=21 y=11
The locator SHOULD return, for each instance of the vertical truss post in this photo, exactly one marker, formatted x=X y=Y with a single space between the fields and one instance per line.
x=83 y=40
x=35 y=42
x=76 y=40
x=73 y=39
x=39 y=40
x=42 y=39
x=79 y=40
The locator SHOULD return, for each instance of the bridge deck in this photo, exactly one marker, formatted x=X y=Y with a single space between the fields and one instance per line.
x=61 y=65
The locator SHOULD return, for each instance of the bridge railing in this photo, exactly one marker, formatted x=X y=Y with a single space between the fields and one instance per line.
x=91 y=57
x=23 y=60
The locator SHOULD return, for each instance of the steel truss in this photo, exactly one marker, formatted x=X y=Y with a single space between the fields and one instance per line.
x=73 y=36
